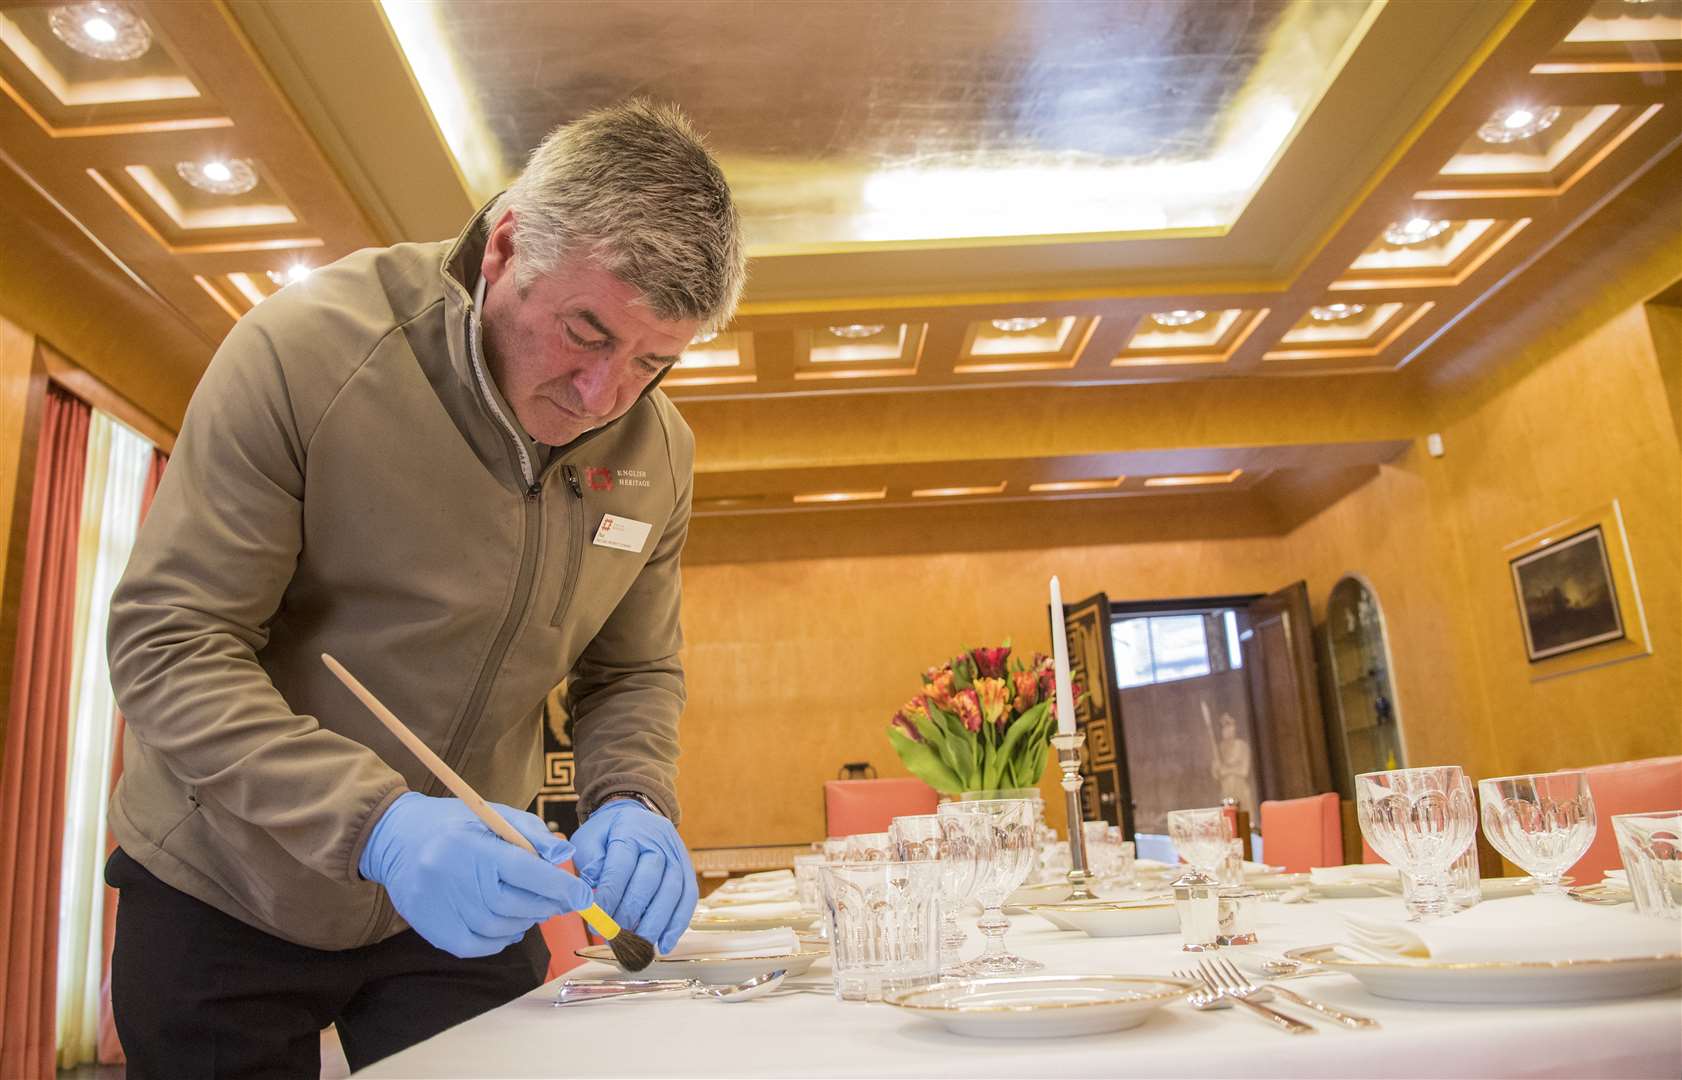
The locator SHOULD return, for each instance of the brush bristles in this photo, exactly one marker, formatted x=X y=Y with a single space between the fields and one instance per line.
x=633 y=951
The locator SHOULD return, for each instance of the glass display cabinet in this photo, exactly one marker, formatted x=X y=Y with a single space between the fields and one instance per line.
x=1366 y=724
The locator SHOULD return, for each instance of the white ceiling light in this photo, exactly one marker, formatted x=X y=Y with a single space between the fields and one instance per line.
x=1335 y=312
x=1414 y=230
x=291 y=275
x=104 y=31
x=854 y=331
x=219 y=176
x=1517 y=122
x=1020 y=324
x=1177 y=317
x=703 y=337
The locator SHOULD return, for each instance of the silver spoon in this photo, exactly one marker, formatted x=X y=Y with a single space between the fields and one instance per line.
x=585 y=993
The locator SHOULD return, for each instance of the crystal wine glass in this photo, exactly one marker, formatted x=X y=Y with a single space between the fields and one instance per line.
x=1010 y=853
x=1419 y=820
x=959 y=842
x=1199 y=837
x=1543 y=822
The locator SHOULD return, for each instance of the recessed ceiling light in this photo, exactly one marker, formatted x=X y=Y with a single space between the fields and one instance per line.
x=1194 y=480
x=853 y=331
x=1177 y=317
x=841 y=496
x=1518 y=122
x=1414 y=230
x=703 y=337
x=104 y=31
x=291 y=275
x=1020 y=324
x=218 y=176
x=954 y=492
x=1049 y=486
x=1335 y=312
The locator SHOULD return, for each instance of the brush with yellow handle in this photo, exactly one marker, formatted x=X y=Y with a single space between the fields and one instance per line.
x=632 y=951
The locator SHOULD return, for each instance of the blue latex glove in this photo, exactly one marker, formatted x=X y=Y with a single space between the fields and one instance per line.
x=640 y=870
x=462 y=887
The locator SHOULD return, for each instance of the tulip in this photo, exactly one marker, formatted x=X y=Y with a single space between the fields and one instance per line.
x=909 y=728
x=1027 y=690
x=994 y=698
x=990 y=663
x=939 y=689
x=969 y=709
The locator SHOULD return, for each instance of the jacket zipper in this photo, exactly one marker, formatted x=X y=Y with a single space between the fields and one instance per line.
x=532 y=505
x=576 y=557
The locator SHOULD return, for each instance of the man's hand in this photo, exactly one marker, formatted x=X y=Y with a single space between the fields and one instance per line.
x=462 y=887
x=640 y=870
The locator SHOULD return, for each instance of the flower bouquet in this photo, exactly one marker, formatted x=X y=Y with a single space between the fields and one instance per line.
x=982 y=722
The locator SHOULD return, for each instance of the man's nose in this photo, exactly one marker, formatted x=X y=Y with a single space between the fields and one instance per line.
x=597 y=386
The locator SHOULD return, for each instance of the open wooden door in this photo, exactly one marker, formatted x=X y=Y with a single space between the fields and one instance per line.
x=1106 y=794
x=1285 y=694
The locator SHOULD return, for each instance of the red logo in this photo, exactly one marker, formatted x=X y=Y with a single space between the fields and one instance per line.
x=599 y=479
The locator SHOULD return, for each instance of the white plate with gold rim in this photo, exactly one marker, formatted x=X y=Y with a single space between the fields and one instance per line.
x=1111 y=918
x=722 y=920
x=715 y=969
x=1042 y=1006
x=1502 y=982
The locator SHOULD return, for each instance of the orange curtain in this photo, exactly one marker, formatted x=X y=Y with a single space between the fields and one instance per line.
x=110 y=1046
x=32 y=785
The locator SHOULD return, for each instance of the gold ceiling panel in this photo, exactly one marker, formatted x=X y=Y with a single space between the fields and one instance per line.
x=858 y=351
x=1188 y=336
x=1342 y=332
x=848 y=122
x=1444 y=260
x=1621 y=35
x=68 y=93
x=1575 y=141
x=722 y=360
x=1024 y=343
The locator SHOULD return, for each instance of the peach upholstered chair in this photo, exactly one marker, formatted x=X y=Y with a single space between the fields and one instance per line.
x=564 y=934
x=1627 y=787
x=1301 y=833
x=868 y=806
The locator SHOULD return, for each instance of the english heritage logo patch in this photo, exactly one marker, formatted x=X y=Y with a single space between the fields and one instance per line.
x=598 y=479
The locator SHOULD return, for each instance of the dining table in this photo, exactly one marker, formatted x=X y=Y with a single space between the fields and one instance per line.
x=802 y=1030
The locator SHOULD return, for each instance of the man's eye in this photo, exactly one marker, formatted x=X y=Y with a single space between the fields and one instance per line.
x=588 y=343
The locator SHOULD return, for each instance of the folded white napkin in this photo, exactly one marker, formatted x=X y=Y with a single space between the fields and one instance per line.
x=728 y=944
x=762 y=875
x=1619 y=878
x=776 y=909
x=1356 y=873
x=1521 y=928
x=755 y=896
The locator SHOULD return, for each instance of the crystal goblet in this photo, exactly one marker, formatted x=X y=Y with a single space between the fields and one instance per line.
x=959 y=843
x=1009 y=826
x=1543 y=822
x=1419 y=821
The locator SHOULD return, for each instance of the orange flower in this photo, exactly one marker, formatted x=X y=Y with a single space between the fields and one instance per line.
x=969 y=709
x=994 y=699
x=1027 y=690
x=939 y=689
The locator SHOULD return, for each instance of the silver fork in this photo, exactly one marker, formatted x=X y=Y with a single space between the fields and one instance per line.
x=1212 y=997
x=1240 y=988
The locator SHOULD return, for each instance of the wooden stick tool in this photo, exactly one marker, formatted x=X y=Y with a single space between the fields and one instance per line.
x=632 y=951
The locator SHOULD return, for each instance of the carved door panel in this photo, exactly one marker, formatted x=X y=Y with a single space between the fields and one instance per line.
x=1106 y=795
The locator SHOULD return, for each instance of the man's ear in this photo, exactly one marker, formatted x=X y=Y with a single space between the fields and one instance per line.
x=499 y=249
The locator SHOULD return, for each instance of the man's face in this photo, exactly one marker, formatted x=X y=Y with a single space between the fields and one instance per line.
x=577 y=349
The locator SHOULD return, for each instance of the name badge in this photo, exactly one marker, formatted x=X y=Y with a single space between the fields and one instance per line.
x=626 y=534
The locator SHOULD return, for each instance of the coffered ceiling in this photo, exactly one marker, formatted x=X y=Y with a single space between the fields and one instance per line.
x=960 y=213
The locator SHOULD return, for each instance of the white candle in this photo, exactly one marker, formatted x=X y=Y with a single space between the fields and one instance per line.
x=1060 y=656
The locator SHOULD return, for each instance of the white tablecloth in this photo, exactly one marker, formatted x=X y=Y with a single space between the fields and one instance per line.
x=811 y=1035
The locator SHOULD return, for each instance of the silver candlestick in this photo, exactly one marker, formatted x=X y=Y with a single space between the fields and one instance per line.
x=1068 y=756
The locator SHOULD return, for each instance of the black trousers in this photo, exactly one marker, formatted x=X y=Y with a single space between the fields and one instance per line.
x=199 y=994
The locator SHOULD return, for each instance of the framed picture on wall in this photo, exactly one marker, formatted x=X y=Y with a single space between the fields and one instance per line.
x=1578 y=604
x=1566 y=597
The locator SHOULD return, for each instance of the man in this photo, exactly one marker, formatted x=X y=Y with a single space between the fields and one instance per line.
x=448 y=466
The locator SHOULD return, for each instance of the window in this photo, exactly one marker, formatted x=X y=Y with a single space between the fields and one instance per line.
x=1163 y=648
